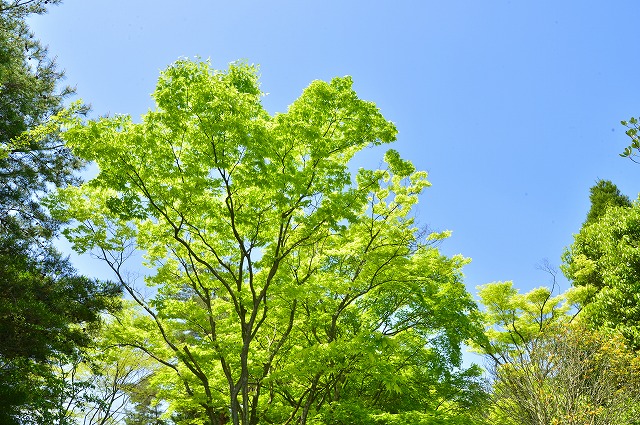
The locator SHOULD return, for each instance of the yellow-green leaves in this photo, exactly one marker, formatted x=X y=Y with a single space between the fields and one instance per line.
x=513 y=320
x=397 y=165
x=277 y=278
x=548 y=368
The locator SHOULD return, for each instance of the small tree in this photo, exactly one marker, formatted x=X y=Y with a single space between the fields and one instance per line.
x=548 y=370
x=105 y=385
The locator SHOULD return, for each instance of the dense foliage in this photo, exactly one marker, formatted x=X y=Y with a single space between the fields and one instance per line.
x=283 y=288
x=571 y=358
x=46 y=310
x=604 y=195
x=284 y=291
x=604 y=261
x=550 y=368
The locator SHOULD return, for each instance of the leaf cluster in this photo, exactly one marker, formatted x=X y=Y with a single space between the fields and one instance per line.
x=632 y=131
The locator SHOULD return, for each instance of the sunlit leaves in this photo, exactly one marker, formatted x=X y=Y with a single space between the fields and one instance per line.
x=513 y=320
x=280 y=284
x=549 y=366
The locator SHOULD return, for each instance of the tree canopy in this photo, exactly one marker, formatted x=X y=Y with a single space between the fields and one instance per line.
x=604 y=261
x=284 y=291
x=282 y=285
x=548 y=366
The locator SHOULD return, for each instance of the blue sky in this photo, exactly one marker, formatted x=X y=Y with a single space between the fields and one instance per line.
x=513 y=107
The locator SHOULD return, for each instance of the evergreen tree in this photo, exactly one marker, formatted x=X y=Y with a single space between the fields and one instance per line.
x=46 y=309
x=604 y=194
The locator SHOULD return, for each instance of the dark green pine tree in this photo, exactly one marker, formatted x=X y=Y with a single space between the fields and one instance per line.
x=46 y=310
x=604 y=194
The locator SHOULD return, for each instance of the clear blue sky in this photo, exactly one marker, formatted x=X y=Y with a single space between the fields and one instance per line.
x=512 y=106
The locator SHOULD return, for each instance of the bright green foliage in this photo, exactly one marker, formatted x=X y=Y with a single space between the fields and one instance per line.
x=513 y=319
x=107 y=385
x=604 y=261
x=283 y=288
x=549 y=368
x=604 y=195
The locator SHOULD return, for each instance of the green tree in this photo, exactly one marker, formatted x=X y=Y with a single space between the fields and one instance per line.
x=46 y=310
x=548 y=367
x=604 y=261
x=106 y=385
x=29 y=95
x=145 y=409
x=603 y=195
x=47 y=314
x=283 y=288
